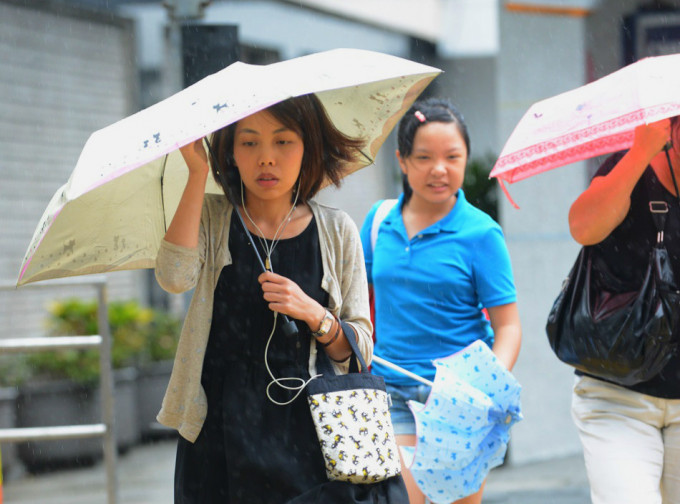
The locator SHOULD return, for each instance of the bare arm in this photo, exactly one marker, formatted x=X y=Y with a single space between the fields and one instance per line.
x=185 y=224
x=605 y=203
x=507 y=333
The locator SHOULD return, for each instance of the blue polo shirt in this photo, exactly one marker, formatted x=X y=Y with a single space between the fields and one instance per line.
x=430 y=290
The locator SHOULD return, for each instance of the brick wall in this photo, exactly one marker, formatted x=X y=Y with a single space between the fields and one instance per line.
x=64 y=73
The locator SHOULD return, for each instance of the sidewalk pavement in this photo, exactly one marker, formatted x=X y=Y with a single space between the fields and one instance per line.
x=145 y=476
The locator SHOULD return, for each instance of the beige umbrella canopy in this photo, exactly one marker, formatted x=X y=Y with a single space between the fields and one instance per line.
x=115 y=208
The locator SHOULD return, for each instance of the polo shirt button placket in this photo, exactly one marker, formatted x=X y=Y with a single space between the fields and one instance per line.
x=418 y=237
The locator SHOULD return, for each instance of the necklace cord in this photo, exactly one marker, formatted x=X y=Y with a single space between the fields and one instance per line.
x=279 y=230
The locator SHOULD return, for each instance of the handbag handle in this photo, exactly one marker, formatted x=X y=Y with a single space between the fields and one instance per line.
x=324 y=365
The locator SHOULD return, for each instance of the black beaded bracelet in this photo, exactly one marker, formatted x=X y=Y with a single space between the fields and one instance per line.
x=335 y=336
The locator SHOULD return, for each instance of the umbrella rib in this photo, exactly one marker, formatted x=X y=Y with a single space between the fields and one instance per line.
x=165 y=222
x=402 y=371
x=368 y=158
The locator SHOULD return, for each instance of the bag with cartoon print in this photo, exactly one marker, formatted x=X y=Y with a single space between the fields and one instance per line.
x=352 y=419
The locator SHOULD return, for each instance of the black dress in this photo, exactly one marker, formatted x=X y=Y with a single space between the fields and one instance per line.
x=251 y=450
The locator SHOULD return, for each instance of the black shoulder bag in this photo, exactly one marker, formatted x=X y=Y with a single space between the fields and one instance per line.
x=626 y=337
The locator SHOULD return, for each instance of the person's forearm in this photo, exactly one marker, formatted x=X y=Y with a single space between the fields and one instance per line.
x=334 y=342
x=507 y=331
x=506 y=345
x=337 y=347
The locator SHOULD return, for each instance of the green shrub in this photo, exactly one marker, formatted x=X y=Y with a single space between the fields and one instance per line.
x=138 y=335
x=163 y=335
x=14 y=370
x=481 y=191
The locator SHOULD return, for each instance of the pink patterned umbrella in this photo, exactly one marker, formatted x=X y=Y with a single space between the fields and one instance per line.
x=591 y=120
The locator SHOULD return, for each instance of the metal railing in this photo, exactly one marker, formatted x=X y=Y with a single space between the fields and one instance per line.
x=102 y=341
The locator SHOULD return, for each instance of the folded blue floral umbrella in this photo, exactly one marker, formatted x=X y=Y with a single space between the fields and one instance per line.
x=463 y=427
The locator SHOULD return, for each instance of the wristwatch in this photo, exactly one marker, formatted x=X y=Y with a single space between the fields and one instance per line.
x=326 y=324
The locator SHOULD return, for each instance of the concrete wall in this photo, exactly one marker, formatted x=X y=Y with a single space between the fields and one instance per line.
x=470 y=83
x=604 y=37
x=541 y=55
x=63 y=74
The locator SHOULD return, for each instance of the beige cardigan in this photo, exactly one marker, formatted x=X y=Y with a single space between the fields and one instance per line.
x=179 y=269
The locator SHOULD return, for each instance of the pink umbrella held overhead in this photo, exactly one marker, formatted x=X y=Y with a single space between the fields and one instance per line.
x=591 y=120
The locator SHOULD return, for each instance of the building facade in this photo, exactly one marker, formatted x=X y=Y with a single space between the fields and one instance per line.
x=66 y=72
x=499 y=57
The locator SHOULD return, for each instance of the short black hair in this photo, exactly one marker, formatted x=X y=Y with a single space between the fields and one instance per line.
x=326 y=149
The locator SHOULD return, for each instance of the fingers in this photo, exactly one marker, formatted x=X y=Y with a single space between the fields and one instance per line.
x=193 y=149
x=270 y=276
x=195 y=156
x=278 y=289
x=653 y=137
x=662 y=123
x=283 y=295
x=654 y=131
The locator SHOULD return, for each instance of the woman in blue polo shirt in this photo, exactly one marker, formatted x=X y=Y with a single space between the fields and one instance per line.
x=436 y=264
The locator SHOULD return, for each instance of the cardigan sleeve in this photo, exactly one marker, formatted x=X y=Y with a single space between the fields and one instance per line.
x=354 y=308
x=177 y=267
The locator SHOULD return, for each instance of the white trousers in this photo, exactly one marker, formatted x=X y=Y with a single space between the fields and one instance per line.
x=631 y=443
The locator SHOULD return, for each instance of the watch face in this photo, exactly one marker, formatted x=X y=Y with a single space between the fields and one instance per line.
x=326 y=325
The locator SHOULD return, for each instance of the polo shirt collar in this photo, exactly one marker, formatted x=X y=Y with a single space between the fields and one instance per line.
x=454 y=220
x=451 y=223
x=394 y=215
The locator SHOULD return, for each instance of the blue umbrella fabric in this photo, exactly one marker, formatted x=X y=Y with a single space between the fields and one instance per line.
x=463 y=428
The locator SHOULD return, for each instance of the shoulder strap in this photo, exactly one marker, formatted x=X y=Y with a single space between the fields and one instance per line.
x=323 y=362
x=379 y=216
x=657 y=207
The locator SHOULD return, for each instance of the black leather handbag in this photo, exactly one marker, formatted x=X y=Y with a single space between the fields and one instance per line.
x=604 y=330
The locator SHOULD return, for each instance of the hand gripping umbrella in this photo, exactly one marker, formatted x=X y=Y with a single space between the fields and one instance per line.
x=463 y=427
x=591 y=120
x=115 y=208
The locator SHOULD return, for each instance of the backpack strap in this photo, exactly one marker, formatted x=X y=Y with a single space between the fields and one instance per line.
x=379 y=216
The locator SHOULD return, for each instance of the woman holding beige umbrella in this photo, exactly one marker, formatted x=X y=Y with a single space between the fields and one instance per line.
x=243 y=439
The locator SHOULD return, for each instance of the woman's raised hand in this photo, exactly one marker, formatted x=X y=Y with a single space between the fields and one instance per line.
x=195 y=157
x=651 y=138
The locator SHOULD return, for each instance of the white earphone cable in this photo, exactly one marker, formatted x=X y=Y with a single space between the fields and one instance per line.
x=268 y=264
x=280 y=381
